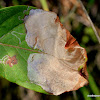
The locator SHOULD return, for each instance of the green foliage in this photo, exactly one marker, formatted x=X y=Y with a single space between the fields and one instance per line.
x=91 y=2
x=12 y=43
x=85 y=92
x=90 y=34
x=85 y=39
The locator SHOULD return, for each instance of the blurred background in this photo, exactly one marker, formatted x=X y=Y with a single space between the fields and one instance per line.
x=74 y=19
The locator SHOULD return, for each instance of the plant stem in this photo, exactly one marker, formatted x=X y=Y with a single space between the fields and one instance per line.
x=85 y=92
x=74 y=95
x=90 y=21
x=44 y=5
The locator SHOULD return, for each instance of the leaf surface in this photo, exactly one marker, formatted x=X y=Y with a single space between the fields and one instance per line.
x=61 y=66
x=14 y=50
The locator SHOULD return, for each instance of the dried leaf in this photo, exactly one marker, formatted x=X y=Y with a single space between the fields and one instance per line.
x=57 y=68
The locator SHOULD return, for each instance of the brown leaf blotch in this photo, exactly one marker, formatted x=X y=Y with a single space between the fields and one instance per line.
x=55 y=69
x=11 y=61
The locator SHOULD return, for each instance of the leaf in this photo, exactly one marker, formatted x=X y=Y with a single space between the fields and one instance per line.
x=14 y=50
x=61 y=65
x=89 y=31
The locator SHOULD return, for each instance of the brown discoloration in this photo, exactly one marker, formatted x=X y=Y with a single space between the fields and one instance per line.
x=56 y=69
x=11 y=61
x=83 y=72
x=71 y=41
x=82 y=81
x=35 y=41
x=58 y=20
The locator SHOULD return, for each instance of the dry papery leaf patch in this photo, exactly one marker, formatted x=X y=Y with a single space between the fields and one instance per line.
x=61 y=66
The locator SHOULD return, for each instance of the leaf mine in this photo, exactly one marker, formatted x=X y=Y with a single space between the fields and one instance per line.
x=3 y=60
x=13 y=33
x=56 y=68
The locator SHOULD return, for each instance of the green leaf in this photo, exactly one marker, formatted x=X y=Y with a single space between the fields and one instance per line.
x=89 y=32
x=85 y=39
x=13 y=47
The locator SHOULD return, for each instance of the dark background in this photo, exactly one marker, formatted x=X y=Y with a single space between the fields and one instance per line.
x=74 y=19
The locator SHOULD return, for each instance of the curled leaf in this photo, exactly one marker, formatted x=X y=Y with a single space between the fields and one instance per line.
x=56 y=68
